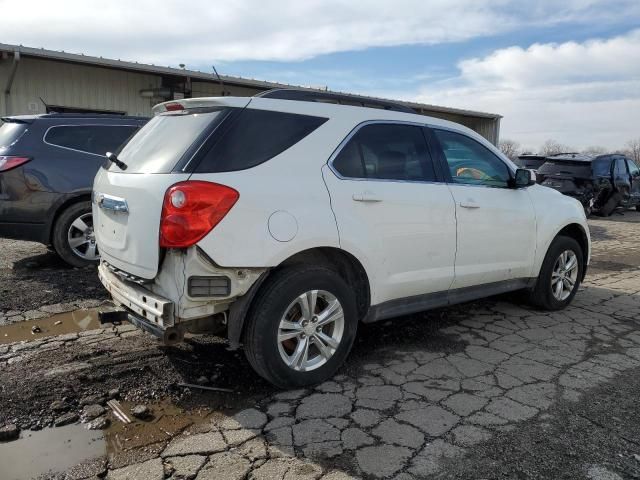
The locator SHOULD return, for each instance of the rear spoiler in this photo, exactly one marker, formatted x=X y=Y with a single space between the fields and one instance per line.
x=24 y=120
x=205 y=102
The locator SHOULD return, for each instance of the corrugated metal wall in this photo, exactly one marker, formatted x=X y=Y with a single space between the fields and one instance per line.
x=206 y=89
x=75 y=86
x=80 y=86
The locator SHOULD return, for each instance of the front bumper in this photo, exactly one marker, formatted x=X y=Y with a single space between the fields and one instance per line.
x=149 y=307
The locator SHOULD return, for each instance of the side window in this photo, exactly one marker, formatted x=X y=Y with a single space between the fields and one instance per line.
x=254 y=137
x=470 y=162
x=96 y=139
x=633 y=168
x=386 y=152
x=621 y=167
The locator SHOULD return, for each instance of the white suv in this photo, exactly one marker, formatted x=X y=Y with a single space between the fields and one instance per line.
x=285 y=222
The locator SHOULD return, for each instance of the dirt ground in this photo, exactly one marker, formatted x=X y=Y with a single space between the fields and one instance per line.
x=489 y=389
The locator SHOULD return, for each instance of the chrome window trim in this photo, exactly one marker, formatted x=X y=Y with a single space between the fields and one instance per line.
x=44 y=136
x=355 y=130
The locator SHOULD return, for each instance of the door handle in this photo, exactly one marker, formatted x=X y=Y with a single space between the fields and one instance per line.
x=469 y=204
x=366 y=197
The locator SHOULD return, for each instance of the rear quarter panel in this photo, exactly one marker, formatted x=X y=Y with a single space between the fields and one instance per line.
x=290 y=186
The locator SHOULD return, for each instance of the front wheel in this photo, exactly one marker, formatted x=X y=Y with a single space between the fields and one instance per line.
x=560 y=275
x=301 y=326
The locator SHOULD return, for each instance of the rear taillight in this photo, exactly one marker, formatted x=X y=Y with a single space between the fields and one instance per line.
x=9 y=163
x=191 y=209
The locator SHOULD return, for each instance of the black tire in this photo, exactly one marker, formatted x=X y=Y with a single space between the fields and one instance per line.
x=272 y=301
x=542 y=296
x=60 y=234
x=610 y=205
x=638 y=208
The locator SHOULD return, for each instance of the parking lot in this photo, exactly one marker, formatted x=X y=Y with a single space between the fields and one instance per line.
x=489 y=389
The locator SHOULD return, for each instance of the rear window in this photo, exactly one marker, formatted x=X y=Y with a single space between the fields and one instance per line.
x=573 y=169
x=94 y=139
x=161 y=143
x=602 y=168
x=10 y=133
x=254 y=137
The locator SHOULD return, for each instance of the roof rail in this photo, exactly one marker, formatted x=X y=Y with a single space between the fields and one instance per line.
x=329 y=97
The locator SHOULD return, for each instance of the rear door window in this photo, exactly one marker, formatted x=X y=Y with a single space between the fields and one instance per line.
x=254 y=137
x=94 y=139
x=386 y=152
x=621 y=168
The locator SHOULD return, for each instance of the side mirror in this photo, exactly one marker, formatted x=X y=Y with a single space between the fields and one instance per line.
x=524 y=178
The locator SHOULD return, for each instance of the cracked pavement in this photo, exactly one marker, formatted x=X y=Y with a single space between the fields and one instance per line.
x=427 y=406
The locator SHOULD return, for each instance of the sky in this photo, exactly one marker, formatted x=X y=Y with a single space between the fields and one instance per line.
x=564 y=70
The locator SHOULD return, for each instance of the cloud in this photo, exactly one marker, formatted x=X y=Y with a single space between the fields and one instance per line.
x=580 y=94
x=199 y=31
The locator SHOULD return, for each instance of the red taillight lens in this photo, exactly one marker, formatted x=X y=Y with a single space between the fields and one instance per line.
x=191 y=209
x=8 y=163
x=173 y=107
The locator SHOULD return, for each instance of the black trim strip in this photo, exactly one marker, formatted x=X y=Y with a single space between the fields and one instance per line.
x=428 y=301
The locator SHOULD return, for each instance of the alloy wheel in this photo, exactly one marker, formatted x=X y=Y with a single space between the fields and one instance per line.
x=82 y=239
x=564 y=275
x=310 y=330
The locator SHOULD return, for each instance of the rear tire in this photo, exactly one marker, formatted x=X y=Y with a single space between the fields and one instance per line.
x=73 y=237
x=610 y=205
x=287 y=319
x=546 y=294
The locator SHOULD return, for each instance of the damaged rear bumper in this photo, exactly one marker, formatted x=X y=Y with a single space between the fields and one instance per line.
x=150 y=309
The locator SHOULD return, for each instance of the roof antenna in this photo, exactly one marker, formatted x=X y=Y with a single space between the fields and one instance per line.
x=219 y=79
x=46 y=107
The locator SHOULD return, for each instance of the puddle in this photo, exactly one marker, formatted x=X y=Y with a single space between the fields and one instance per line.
x=49 y=450
x=168 y=420
x=59 y=324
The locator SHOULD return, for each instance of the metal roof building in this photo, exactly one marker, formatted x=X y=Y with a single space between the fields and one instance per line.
x=35 y=80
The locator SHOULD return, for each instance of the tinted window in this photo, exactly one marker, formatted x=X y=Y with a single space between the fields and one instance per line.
x=633 y=168
x=387 y=152
x=470 y=162
x=621 y=167
x=602 y=168
x=96 y=139
x=254 y=137
x=10 y=133
x=567 y=167
x=161 y=143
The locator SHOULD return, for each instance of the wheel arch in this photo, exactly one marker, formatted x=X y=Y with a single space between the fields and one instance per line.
x=341 y=261
x=57 y=210
x=578 y=233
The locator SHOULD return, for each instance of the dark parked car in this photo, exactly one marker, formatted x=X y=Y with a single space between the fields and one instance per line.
x=47 y=166
x=532 y=162
x=601 y=183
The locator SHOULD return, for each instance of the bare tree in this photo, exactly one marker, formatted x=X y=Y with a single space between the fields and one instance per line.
x=595 y=150
x=552 y=147
x=633 y=151
x=510 y=148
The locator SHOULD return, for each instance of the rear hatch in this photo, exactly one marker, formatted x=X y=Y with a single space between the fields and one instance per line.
x=127 y=204
x=566 y=176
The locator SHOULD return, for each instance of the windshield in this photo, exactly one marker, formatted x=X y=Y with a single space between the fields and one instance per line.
x=573 y=169
x=161 y=143
x=10 y=133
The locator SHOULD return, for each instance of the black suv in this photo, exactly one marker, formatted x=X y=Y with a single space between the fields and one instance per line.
x=601 y=183
x=47 y=166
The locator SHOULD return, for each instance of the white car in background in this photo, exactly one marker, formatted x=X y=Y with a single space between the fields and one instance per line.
x=286 y=220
